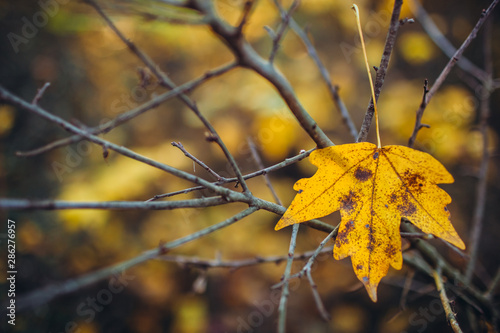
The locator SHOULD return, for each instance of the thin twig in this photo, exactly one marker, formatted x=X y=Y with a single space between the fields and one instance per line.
x=416 y=235
x=450 y=316
x=285 y=291
x=442 y=42
x=25 y=204
x=285 y=20
x=234 y=264
x=166 y=81
x=177 y=3
x=46 y=294
x=481 y=187
x=493 y=285
x=9 y=97
x=310 y=262
x=333 y=89
x=451 y=63
x=40 y=93
x=261 y=172
x=317 y=299
x=247 y=57
x=418 y=121
x=258 y=160
x=196 y=160
x=228 y=194
x=247 y=8
x=122 y=118
x=432 y=256
x=382 y=69
x=406 y=289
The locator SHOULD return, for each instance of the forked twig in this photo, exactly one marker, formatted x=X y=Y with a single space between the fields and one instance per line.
x=418 y=121
x=40 y=93
x=450 y=315
x=261 y=172
x=285 y=21
x=196 y=160
x=451 y=63
x=257 y=159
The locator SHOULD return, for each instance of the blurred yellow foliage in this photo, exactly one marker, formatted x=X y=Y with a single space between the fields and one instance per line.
x=6 y=119
x=275 y=135
x=191 y=315
x=30 y=235
x=124 y=179
x=348 y=319
x=416 y=48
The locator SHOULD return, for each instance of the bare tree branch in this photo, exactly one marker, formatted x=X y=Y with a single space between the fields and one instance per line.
x=440 y=40
x=261 y=172
x=311 y=50
x=382 y=69
x=285 y=292
x=286 y=16
x=317 y=299
x=196 y=160
x=44 y=295
x=451 y=63
x=122 y=118
x=247 y=57
x=450 y=315
x=165 y=80
x=24 y=204
x=418 y=121
x=235 y=264
x=484 y=115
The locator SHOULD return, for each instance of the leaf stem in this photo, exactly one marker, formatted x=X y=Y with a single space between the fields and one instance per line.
x=358 y=22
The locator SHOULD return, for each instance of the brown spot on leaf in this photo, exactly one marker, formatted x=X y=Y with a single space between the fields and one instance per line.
x=407 y=208
x=343 y=235
x=358 y=267
x=414 y=182
x=349 y=202
x=372 y=243
x=391 y=251
x=363 y=174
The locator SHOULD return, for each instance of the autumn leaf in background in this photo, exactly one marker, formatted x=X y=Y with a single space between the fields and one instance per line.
x=374 y=188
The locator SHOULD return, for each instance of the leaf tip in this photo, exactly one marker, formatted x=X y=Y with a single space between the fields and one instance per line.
x=372 y=292
x=459 y=243
x=283 y=222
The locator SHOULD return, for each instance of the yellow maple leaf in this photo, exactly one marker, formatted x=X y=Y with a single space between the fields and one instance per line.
x=374 y=188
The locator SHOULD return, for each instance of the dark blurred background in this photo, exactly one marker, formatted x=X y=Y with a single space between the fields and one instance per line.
x=94 y=77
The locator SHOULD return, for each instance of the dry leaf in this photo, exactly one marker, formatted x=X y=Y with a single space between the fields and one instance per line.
x=374 y=188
